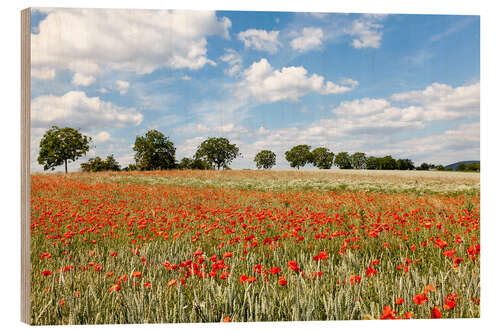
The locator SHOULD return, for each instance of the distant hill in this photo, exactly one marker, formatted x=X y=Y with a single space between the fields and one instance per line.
x=454 y=166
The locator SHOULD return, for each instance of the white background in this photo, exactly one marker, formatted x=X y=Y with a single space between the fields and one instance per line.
x=490 y=94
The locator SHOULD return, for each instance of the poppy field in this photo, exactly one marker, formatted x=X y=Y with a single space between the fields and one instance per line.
x=231 y=246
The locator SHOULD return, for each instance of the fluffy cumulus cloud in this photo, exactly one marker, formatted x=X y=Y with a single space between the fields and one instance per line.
x=443 y=102
x=43 y=73
x=101 y=137
x=366 y=31
x=266 y=84
x=121 y=86
x=309 y=39
x=260 y=40
x=82 y=80
x=89 y=41
x=233 y=59
x=459 y=143
x=76 y=109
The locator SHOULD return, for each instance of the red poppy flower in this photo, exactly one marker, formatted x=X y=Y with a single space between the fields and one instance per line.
x=371 y=271
x=282 y=280
x=450 y=301
x=420 y=299
x=388 y=313
x=275 y=270
x=46 y=273
x=435 y=313
x=293 y=266
x=400 y=301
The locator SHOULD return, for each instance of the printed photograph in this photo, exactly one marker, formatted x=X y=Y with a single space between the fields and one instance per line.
x=238 y=166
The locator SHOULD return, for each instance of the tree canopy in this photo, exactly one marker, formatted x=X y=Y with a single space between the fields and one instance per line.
x=358 y=160
x=299 y=156
x=60 y=145
x=343 y=161
x=265 y=159
x=219 y=152
x=98 y=164
x=322 y=158
x=154 y=151
x=194 y=164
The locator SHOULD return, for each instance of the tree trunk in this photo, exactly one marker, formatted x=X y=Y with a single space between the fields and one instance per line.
x=66 y=166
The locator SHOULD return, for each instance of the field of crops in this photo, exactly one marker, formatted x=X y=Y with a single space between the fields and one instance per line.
x=209 y=246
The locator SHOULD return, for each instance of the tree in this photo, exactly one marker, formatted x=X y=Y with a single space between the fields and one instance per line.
x=342 y=160
x=194 y=164
x=358 y=160
x=219 y=152
x=60 y=145
x=98 y=164
x=425 y=166
x=387 y=163
x=154 y=151
x=473 y=167
x=265 y=159
x=405 y=164
x=131 y=167
x=299 y=156
x=372 y=163
x=322 y=158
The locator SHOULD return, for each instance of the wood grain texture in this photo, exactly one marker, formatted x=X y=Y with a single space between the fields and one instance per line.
x=25 y=162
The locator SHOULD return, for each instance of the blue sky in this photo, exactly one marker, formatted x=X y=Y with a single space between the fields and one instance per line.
x=405 y=85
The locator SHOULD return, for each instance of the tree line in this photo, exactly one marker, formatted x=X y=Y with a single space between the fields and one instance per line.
x=155 y=151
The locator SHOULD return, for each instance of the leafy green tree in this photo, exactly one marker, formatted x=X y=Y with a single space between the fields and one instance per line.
x=387 y=163
x=343 y=161
x=185 y=163
x=425 y=166
x=194 y=164
x=474 y=167
x=299 y=156
x=131 y=167
x=358 y=160
x=218 y=152
x=372 y=163
x=405 y=164
x=439 y=167
x=60 y=145
x=98 y=164
x=154 y=151
x=265 y=159
x=322 y=158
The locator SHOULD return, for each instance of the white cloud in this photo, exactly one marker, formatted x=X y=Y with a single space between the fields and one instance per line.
x=460 y=143
x=261 y=40
x=141 y=41
x=75 y=109
x=366 y=32
x=290 y=83
x=443 y=102
x=311 y=38
x=43 y=73
x=101 y=137
x=234 y=60
x=121 y=86
x=185 y=78
x=103 y=90
x=80 y=79
x=188 y=147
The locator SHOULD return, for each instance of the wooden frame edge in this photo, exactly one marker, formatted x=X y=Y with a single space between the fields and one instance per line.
x=25 y=164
